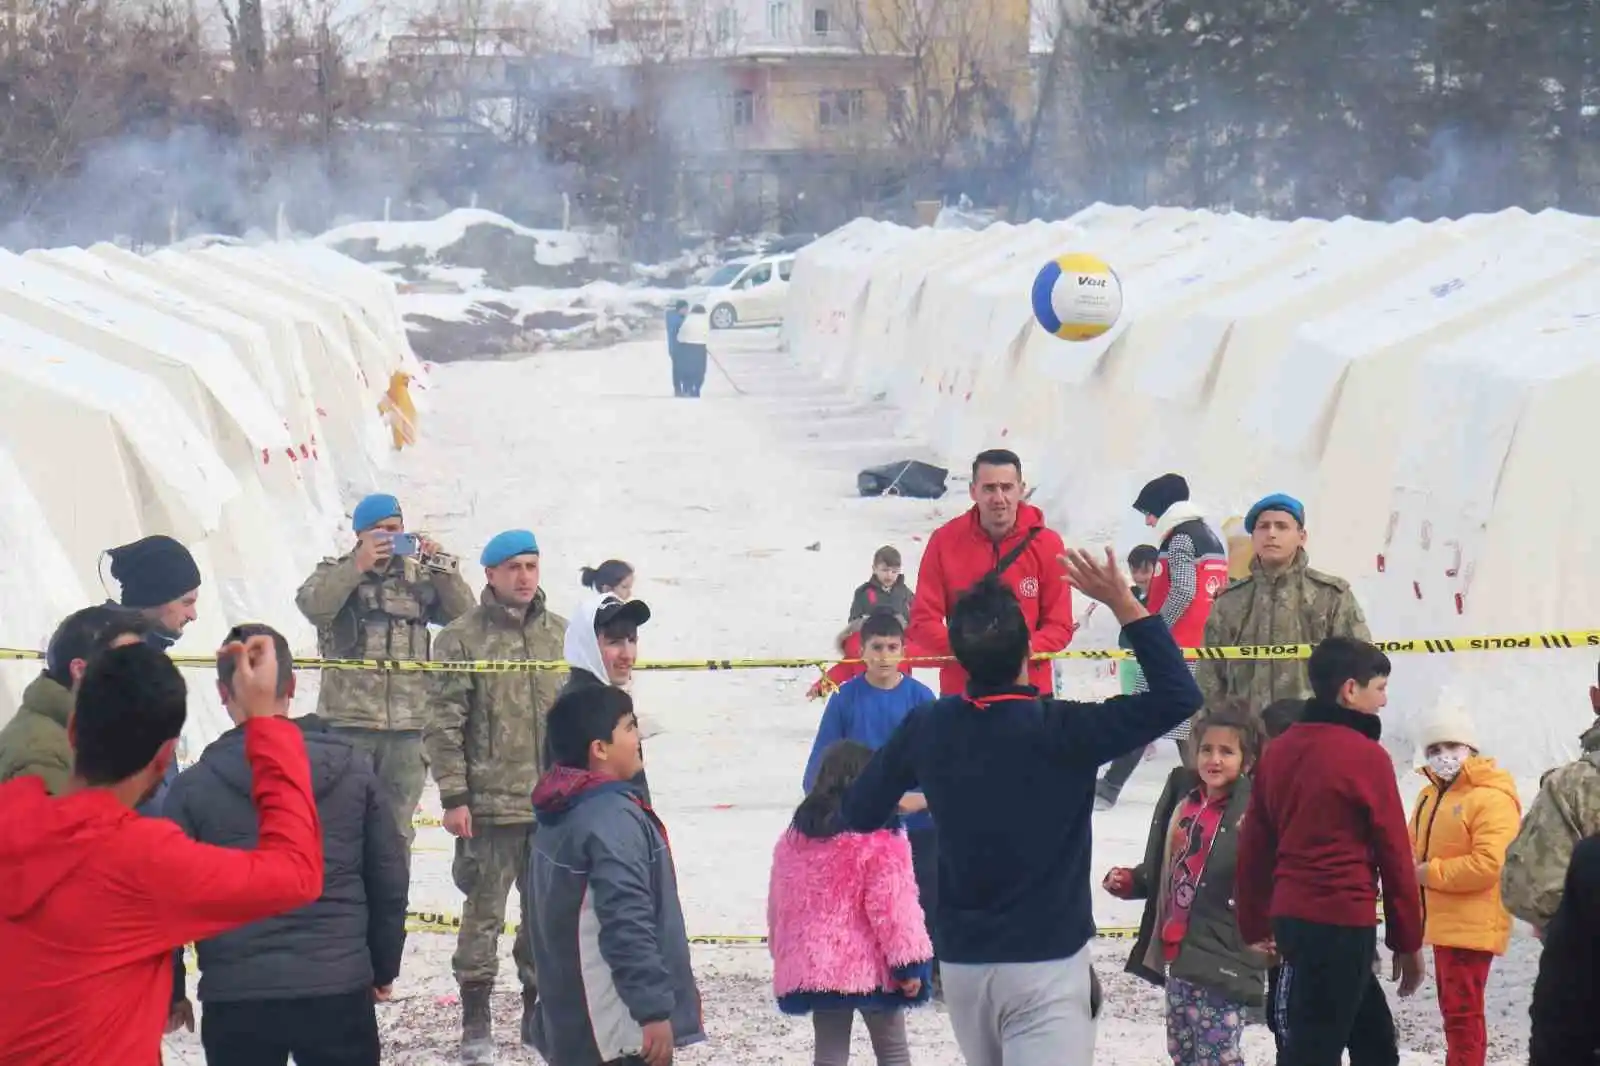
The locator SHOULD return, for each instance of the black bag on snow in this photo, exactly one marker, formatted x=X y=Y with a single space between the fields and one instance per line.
x=922 y=481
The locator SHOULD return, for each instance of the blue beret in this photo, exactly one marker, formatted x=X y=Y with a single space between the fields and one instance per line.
x=1278 y=501
x=374 y=509
x=509 y=545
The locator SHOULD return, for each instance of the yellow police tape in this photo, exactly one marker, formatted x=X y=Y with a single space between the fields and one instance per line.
x=1551 y=640
x=447 y=922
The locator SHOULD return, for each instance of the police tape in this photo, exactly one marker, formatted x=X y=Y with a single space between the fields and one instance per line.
x=1549 y=640
x=447 y=922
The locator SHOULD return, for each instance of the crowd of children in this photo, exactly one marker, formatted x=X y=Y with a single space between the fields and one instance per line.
x=1260 y=874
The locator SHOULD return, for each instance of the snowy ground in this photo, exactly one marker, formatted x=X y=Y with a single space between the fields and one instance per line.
x=741 y=515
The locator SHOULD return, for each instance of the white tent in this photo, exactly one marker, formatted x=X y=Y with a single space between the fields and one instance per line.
x=1412 y=383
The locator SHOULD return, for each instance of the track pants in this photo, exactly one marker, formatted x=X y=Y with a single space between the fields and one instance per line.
x=1328 y=997
x=1022 y=1013
x=1461 y=975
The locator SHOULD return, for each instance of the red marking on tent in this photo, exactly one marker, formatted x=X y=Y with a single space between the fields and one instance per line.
x=1461 y=604
x=969 y=396
x=293 y=458
x=266 y=457
x=722 y=806
x=1416 y=586
x=1381 y=564
x=1005 y=432
x=321 y=413
x=305 y=453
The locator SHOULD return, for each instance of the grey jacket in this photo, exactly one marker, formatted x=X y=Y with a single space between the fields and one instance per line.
x=608 y=936
x=353 y=936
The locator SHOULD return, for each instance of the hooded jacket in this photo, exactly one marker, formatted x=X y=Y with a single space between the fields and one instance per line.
x=1460 y=829
x=95 y=899
x=608 y=935
x=485 y=732
x=35 y=741
x=1191 y=568
x=958 y=556
x=871 y=596
x=581 y=649
x=352 y=937
x=1324 y=825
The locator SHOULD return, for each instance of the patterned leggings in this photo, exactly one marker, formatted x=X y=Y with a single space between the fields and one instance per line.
x=1203 y=1027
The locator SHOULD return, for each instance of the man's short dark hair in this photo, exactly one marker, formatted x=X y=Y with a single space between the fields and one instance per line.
x=618 y=629
x=84 y=634
x=132 y=701
x=227 y=665
x=1280 y=715
x=996 y=457
x=882 y=623
x=1340 y=659
x=1143 y=555
x=581 y=717
x=988 y=634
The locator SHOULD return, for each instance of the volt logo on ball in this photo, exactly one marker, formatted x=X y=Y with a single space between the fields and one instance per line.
x=1077 y=296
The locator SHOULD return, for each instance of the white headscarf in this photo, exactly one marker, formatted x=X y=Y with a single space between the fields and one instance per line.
x=581 y=647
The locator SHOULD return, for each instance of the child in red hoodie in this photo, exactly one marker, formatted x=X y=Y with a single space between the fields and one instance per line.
x=95 y=897
x=1324 y=811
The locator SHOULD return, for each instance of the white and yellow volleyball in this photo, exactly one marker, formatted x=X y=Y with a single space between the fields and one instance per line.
x=1077 y=296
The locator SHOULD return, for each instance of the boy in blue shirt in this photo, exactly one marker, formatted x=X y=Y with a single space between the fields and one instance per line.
x=868 y=709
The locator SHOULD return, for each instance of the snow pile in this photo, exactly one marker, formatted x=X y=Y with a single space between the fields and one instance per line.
x=475 y=284
x=224 y=395
x=1424 y=388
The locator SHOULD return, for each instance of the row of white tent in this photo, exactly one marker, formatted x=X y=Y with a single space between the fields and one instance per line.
x=224 y=395
x=1426 y=389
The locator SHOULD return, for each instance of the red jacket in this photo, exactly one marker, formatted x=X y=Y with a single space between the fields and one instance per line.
x=95 y=898
x=1187 y=581
x=958 y=555
x=1324 y=823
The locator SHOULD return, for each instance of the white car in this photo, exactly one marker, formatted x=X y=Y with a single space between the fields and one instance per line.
x=755 y=296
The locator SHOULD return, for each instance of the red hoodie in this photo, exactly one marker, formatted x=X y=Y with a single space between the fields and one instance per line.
x=958 y=555
x=1324 y=823
x=95 y=898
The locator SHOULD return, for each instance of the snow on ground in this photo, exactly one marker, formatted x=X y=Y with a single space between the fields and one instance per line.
x=555 y=247
x=719 y=504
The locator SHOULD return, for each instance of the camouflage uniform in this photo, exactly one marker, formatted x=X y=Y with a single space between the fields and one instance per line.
x=484 y=735
x=1298 y=606
x=1566 y=810
x=381 y=615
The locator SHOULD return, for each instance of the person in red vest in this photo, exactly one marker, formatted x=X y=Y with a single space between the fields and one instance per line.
x=1002 y=535
x=1191 y=568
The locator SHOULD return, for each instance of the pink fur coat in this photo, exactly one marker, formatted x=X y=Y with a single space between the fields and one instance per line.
x=843 y=920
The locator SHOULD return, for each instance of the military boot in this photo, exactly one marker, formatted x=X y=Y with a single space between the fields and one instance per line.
x=477 y=1029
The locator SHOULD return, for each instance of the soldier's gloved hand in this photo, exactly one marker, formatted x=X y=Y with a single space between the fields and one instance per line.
x=374 y=550
x=458 y=822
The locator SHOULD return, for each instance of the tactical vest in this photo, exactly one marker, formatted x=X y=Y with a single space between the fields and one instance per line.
x=385 y=618
x=1210 y=578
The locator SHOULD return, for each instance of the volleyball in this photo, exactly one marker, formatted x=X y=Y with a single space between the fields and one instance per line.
x=1077 y=296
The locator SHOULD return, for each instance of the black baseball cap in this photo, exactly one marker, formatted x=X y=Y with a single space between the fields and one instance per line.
x=612 y=609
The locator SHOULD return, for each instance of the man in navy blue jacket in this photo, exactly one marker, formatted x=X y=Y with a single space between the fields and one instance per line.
x=1009 y=778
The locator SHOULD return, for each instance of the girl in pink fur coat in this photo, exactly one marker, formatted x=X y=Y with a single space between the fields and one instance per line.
x=843 y=923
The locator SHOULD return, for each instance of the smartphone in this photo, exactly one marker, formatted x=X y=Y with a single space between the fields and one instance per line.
x=404 y=544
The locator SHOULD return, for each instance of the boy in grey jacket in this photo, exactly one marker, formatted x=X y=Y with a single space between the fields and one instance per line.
x=616 y=985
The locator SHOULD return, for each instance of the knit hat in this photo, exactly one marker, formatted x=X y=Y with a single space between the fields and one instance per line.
x=374 y=509
x=509 y=545
x=153 y=571
x=1278 y=501
x=1447 y=725
x=1163 y=492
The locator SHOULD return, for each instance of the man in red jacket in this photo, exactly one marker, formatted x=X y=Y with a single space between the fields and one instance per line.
x=95 y=897
x=1001 y=533
x=1324 y=811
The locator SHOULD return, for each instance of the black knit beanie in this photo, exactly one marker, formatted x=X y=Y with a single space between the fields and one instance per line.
x=1163 y=492
x=153 y=571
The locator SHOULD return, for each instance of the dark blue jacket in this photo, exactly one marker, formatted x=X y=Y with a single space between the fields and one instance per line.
x=1010 y=781
x=151 y=808
x=674 y=320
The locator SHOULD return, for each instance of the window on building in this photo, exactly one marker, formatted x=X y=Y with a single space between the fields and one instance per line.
x=840 y=108
x=822 y=21
x=778 y=19
x=744 y=107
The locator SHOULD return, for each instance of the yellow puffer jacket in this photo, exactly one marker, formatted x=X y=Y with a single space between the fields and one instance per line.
x=1461 y=833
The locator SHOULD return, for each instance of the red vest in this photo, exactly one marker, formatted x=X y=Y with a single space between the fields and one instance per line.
x=1210 y=578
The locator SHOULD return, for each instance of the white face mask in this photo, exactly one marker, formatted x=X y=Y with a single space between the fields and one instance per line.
x=1446 y=762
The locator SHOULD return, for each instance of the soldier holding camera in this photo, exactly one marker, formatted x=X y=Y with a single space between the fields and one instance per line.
x=377 y=603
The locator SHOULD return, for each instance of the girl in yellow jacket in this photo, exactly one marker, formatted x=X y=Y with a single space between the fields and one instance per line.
x=1464 y=820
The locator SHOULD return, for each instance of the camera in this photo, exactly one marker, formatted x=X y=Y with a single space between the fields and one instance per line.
x=442 y=562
